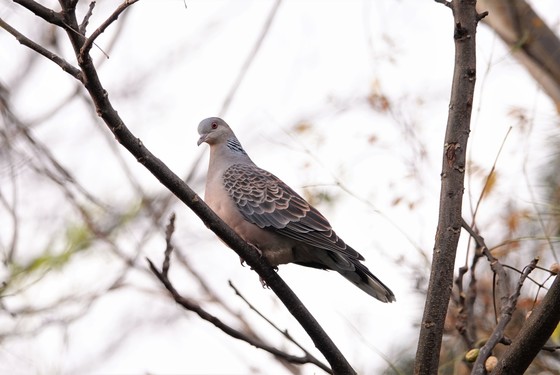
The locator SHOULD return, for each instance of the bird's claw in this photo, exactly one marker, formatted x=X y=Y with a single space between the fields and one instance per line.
x=263 y=283
x=257 y=249
x=242 y=261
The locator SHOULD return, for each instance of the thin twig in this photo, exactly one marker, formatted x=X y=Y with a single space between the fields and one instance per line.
x=465 y=319
x=215 y=298
x=85 y=22
x=500 y=277
x=112 y=18
x=168 y=246
x=541 y=285
x=495 y=264
x=250 y=58
x=45 y=157
x=339 y=183
x=489 y=177
x=285 y=333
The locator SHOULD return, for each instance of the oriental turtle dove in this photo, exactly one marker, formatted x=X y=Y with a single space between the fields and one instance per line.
x=270 y=215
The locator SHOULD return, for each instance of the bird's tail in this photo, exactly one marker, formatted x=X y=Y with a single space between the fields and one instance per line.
x=349 y=267
x=366 y=281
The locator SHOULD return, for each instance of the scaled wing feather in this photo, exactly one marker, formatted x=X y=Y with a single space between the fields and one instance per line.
x=264 y=200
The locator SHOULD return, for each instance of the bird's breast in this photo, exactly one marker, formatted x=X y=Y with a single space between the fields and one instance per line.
x=276 y=248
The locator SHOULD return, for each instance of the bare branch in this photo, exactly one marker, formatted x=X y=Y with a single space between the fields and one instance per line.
x=480 y=16
x=85 y=22
x=489 y=176
x=22 y=39
x=45 y=13
x=497 y=267
x=169 y=247
x=465 y=318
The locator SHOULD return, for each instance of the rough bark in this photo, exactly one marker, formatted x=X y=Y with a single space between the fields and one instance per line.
x=452 y=185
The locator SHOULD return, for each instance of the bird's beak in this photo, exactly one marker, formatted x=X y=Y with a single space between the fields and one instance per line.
x=202 y=139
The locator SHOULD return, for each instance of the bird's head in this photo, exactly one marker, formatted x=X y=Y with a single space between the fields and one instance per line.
x=214 y=130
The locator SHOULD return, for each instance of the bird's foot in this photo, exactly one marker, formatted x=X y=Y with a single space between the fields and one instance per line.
x=242 y=261
x=263 y=283
x=257 y=249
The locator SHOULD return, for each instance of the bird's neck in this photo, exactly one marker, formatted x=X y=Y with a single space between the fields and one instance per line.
x=235 y=147
x=222 y=157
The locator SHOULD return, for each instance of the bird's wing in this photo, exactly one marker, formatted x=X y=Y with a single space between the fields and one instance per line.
x=266 y=201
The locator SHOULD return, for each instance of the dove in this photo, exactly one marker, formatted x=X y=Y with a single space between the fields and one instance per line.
x=268 y=214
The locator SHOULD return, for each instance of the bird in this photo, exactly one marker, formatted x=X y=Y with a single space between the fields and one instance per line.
x=270 y=215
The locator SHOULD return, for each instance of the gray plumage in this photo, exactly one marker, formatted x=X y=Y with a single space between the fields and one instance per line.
x=269 y=214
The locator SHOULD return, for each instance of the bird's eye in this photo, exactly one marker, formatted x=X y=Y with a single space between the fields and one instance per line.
x=214 y=125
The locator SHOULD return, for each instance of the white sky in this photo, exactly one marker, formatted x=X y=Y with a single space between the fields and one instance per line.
x=173 y=66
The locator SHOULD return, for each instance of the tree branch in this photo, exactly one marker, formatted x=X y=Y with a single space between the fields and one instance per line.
x=45 y=13
x=497 y=267
x=465 y=324
x=22 y=39
x=452 y=186
x=85 y=21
